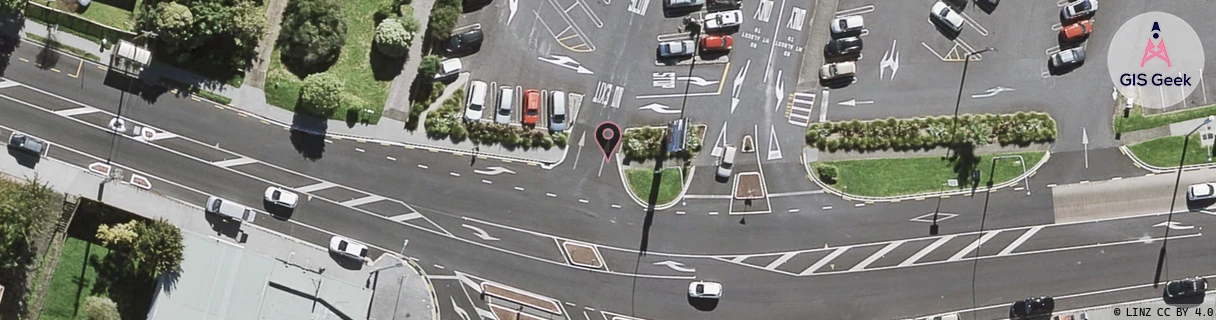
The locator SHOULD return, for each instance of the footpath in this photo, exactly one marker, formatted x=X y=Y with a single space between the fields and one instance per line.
x=255 y=273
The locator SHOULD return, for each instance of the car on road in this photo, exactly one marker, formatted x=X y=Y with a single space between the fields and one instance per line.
x=1078 y=9
x=845 y=26
x=1068 y=58
x=506 y=102
x=719 y=43
x=1201 y=191
x=1077 y=31
x=23 y=143
x=229 y=210
x=346 y=247
x=725 y=4
x=1032 y=307
x=842 y=47
x=727 y=163
x=723 y=19
x=448 y=68
x=704 y=290
x=946 y=15
x=531 y=107
x=1188 y=287
x=673 y=4
x=676 y=49
x=837 y=70
x=464 y=42
x=557 y=119
x=281 y=197
x=477 y=101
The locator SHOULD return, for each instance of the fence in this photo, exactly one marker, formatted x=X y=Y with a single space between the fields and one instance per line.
x=84 y=27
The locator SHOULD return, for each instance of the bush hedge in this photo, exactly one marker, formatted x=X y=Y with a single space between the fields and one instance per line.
x=1022 y=128
x=447 y=122
x=828 y=173
x=647 y=143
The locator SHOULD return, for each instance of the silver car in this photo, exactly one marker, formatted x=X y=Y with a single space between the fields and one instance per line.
x=506 y=101
x=682 y=3
x=673 y=49
x=1068 y=58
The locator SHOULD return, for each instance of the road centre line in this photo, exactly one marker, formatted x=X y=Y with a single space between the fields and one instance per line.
x=795 y=193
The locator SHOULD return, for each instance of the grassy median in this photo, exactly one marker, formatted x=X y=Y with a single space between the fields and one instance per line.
x=905 y=176
x=1136 y=120
x=1164 y=152
x=640 y=182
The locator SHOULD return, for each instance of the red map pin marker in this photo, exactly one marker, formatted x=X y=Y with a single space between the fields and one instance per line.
x=608 y=136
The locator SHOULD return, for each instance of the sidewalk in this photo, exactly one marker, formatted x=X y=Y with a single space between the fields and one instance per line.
x=253 y=273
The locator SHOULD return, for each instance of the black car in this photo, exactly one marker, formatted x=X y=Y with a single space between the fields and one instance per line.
x=842 y=47
x=1030 y=307
x=1186 y=287
x=718 y=5
x=465 y=42
x=23 y=143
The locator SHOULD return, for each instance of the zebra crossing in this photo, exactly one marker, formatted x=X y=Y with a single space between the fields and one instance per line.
x=607 y=94
x=798 y=109
x=797 y=18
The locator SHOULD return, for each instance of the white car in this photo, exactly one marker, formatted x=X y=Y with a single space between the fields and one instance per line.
x=1077 y=9
x=1201 y=191
x=448 y=68
x=346 y=247
x=477 y=101
x=705 y=290
x=847 y=25
x=723 y=19
x=837 y=70
x=673 y=49
x=281 y=197
x=947 y=16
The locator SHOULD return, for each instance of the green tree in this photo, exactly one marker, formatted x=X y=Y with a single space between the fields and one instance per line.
x=443 y=19
x=25 y=211
x=121 y=235
x=101 y=308
x=392 y=39
x=429 y=66
x=312 y=36
x=8 y=7
x=172 y=22
x=322 y=91
x=159 y=246
x=247 y=23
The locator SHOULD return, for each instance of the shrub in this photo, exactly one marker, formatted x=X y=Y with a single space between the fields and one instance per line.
x=322 y=91
x=172 y=22
x=828 y=173
x=120 y=235
x=386 y=10
x=443 y=19
x=101 y=308
x=429 y=66
x=560 y=139
x=313 y=35
x=392 y=39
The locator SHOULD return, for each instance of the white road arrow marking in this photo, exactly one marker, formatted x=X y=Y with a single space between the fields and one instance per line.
x=774 y=148
x=480 y=233
x=1174 y=225
x=567 y=63
x=734 y=96
x=675 y=266
x=459 y=310
x=1085 y=143
x=513 y=5
x=659 y=108
x=780 y=91
x=698 y=81
x=889 y=60
x=991 y=92
x=493 y=171
x=855 y=102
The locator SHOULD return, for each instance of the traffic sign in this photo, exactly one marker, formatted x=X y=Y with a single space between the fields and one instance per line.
x=1207 y=135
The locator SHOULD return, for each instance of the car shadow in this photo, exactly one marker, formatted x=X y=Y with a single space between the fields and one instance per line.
x=986 y=7
x=1066 y=44
x=1182 y=302
x=836 y=83
x=669 y=61
x=702 y=304
x=679 y=12
x=277 y=211
x=345 y=262
x=24 y=159
x=713 y=55
x=723 y=31
x=474 y=5
x=226 y=227
x=943 y=30
x=842 y=58
x=1200 y=204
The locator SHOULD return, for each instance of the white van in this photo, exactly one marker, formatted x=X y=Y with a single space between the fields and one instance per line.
x=557 y=121
x=229 y=209
x=477 y=101
x=506 y=101
x=727 y=163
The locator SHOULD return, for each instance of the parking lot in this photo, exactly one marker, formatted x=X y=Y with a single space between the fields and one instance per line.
x=494 y=103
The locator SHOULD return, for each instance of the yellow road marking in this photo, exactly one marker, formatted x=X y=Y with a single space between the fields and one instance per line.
x=409 y=147
x=567 y=37
x=385 y=144
x=575 y=48
x=23 y=59
x=78 y=68
x=722 y=82
x=56 y=70
x=265 y=122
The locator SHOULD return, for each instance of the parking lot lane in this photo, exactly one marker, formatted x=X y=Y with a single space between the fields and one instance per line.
x=207 y=153
x=277 y=175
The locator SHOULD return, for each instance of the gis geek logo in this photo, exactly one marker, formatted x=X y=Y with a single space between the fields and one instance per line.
x=1148 y=74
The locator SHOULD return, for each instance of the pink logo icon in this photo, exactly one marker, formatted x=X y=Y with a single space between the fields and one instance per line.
x=1156 y=51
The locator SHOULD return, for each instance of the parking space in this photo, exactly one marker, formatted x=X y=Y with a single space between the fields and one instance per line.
x=518 y=99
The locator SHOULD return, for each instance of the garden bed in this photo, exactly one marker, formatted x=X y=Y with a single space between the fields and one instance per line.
x=447 y=122
x=905 y=176
x=1022 y=128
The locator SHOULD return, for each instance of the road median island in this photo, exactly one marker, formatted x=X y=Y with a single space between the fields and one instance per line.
x=504 y=313
x=521 y=297
x=1135 y=119
x=908 y=176
x=644 y=150
x=1163 y=153
x=583 y=255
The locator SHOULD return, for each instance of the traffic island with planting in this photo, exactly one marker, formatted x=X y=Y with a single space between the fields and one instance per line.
x=654 y=176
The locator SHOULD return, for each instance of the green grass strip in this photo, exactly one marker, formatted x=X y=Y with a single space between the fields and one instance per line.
x=640 y=181
x=58 y=45
x=905 y=176
x=1165 y=151
x=73 y=280
x=1136 y=119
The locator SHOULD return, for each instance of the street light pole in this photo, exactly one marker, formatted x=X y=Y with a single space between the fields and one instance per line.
x=1174 y=197
x=958 y=101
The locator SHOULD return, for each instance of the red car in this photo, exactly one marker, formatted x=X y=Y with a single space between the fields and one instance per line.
x=1077 y=31
x=531 y=107
x=717 y=43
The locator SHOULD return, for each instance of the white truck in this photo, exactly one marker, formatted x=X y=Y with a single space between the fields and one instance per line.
x=229 y=210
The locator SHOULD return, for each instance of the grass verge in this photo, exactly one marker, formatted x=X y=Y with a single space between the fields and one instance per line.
x=214 y=97
x=1164 y=151
x=904 y=176
x=109 y=15
x=354 y=66
x=640 y=181
x=1136 y=120
x=74 y=279
x=60 y=46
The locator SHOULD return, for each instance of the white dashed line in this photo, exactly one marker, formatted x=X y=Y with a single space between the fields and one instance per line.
x=439 y=266
x=827 y=207
x=713 y=213
x=360 y=150
x=1051 y=185
x=486 y=181
x=329 y=141
x=423 y=166
x=454 y=174
x=859 y=205
x=794 y=210
x=569 y=304
x=583 y=201
x=550 y=194
x=1084 y=181
x=1117 y=178
x=390 y=158
x=616 y=206
x=519 y=188
x=680 y=212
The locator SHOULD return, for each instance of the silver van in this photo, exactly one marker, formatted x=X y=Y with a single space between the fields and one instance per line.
x=506 y=101
x=229 y=209
x=557 y=122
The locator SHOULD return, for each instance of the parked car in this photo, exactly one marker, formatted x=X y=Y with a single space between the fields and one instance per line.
x=229 y=210
x=1201 y=191
x=988 y=3
x=717 y=43
x=675 y=49
x=26 y=144
x=705 y=290
x=725 y=4
x=842 y=47
x=846 y=26
x=674 y=4
x=281 y=197
x=1077 y=31
x=946 y=15
x=531 y=107
x=1068 y=58
x=347 y=247
x=477 y=101
x=723 y=19
x=448 y=68
x=837 y=70
x=1187 y=287
x=1078 y=9
x=1032 y=307
x=726 y=163
x=465 y=42
x=506 y=102
x=557 y=118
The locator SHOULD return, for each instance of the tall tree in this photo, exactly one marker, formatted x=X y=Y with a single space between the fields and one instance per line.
x=313 y=35
x=159 y=246
x=173 y=21
x=247 y=23
x=322 y=91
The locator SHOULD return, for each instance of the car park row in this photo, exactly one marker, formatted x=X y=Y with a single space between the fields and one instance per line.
x=510 y=106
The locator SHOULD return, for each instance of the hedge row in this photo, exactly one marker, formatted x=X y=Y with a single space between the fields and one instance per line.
x=447 y=122
x=1022 y=128
x=647 y=143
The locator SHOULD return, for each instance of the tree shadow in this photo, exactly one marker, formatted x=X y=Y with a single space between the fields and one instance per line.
x=48 y=57
x=121 y=279
x=965 y=163
x=7 y=46
x=217 y=62
x=133 y=85
x=128 y=5
x=14 y=271
x=385 y=68
x=310 y=145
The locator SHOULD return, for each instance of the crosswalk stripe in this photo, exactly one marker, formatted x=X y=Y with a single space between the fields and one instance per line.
x=804 y=101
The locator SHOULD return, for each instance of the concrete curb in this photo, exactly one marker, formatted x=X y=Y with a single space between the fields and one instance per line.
x=1155 y=169
x=922 y=196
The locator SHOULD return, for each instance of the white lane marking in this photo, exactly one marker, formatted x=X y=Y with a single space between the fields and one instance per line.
x=486 y=181
x=681 y=212
x=583 y=201
x=659 y=108
x=874 y=257
x=1173 y=225
x=677 y=266
x=855 y=11
x=362 y=201
x=464 y=315
x=974 y=24
x=518 y=188
x=794 y=193
x=926 y=250
x=566 y=62
x=6 y=84
x=315 y=187
x=707 y=196
x=550 y=194
x=780 y=260
x=797 y=18
x=795 y=210
x=973 y=246
x=823 y=112
x=493 y=171
x=454 y=174
x=234 y=162
x=480 y=233
x=616 y=206
x=713 y=213
x=390 y=158
x=764 y=11
x=360 y=150
x=76 y=111
x=827 y=208
x=675 y=95
x=1021 y=239
x=406 y=217
x=736 y=85
x=819 y=264
x=772 y=47
x=774 y=148
x=423 y=166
